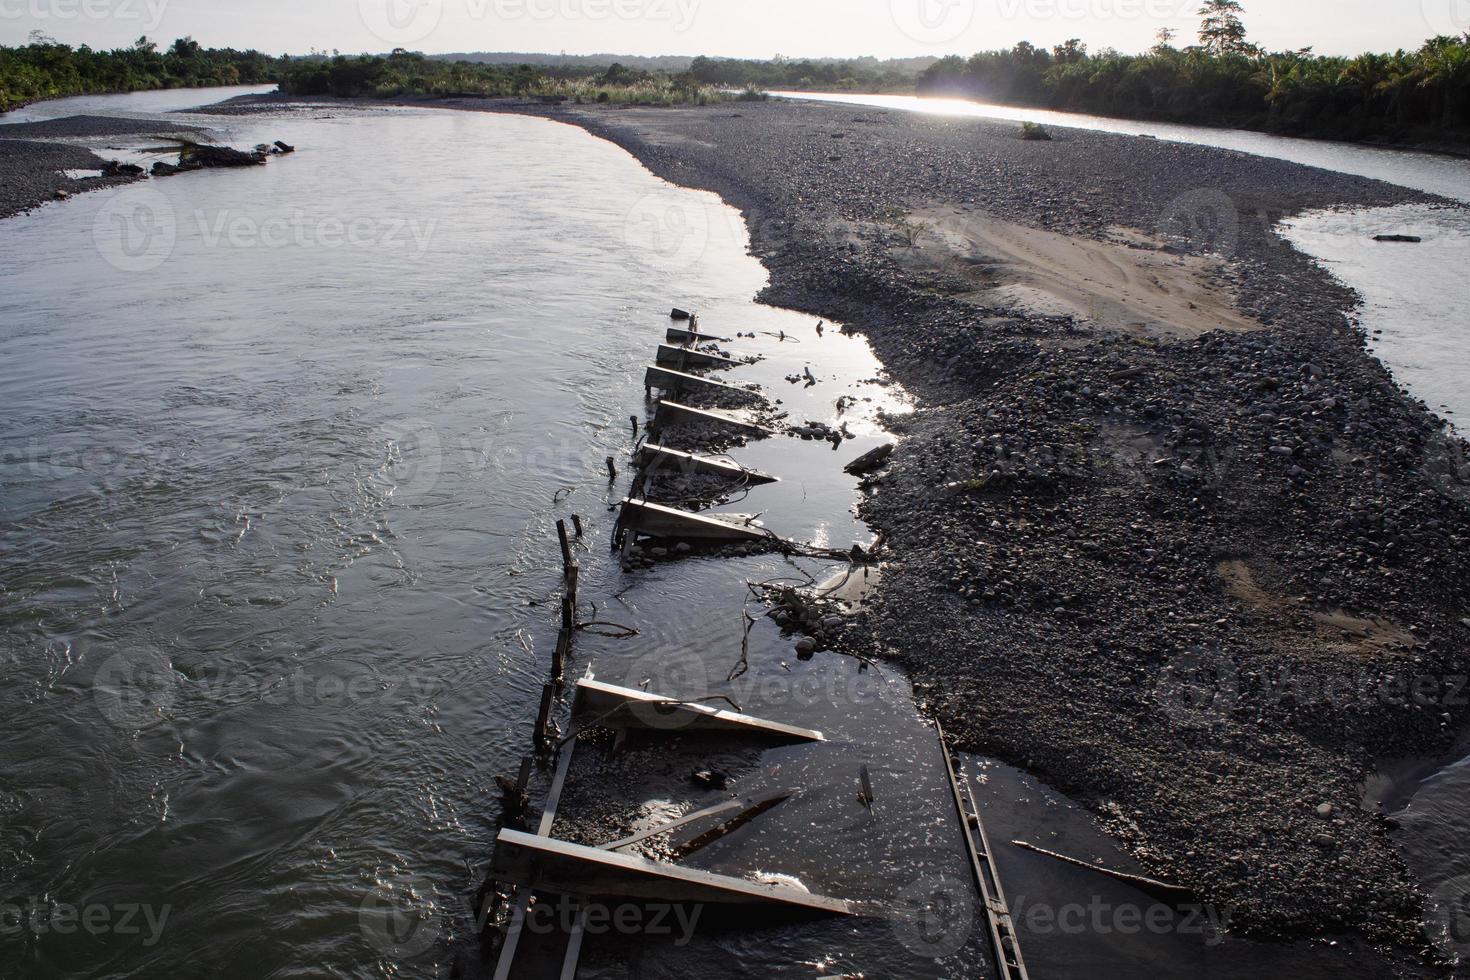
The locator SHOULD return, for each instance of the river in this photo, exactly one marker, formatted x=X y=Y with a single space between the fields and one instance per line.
x=281 y=453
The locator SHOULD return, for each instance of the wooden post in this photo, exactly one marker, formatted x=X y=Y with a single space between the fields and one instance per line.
x=577 y=524
x=634 y=420
x=574 y=576
x=568 y=613
x=524 y=779
x=566 y=546
x=560 y=654
x=612 y=470
x=543 y=716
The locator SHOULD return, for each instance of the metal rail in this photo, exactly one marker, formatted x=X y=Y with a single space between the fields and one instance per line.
x=1005 y=944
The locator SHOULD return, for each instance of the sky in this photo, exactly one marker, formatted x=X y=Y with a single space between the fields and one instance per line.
x=732 y=28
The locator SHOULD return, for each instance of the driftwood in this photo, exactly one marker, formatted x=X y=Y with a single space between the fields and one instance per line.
x=1152 y=886
x=1409 y=239
x=869 y=461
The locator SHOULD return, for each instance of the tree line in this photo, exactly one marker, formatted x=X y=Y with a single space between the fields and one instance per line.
x=411 y=73
x=47 y=69
x=1226 y=80
x=829 y=75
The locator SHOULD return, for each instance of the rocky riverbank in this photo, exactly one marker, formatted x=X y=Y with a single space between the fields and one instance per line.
x=34 y=157
x=1201 y=565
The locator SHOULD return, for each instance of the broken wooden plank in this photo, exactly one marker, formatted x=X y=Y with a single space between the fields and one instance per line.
x=762 y=803
x=698 y=843
x=666 y=379
x=563 y=867
x=680 y=335
x=656 y=520
x=684 y=357
x=618 y=704
x=661 y=459
x=673 y=413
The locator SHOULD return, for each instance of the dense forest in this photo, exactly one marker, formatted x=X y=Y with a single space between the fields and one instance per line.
x=46 y=69
x=1227 y=81
x=822 y=75
x=410 y=73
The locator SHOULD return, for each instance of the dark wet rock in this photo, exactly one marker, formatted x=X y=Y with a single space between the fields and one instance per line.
x=208 y=155
x=870 y=461
x=710 y=779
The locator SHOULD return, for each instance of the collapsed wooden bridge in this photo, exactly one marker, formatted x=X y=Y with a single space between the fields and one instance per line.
x=535 y=864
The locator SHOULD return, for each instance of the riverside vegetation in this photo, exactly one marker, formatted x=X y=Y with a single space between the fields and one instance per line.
x=1225 y=80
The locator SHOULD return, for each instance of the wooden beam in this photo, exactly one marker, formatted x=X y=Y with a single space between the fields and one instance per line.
x=662 y=459
x=665 y=379
x=605 y=699
x=659 y=521
x=575 y=869
x=762 y=802
x=685 y=357
x=673 y=413
x=679 y=335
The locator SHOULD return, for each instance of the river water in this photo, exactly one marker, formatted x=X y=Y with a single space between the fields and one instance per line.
x=281 y=453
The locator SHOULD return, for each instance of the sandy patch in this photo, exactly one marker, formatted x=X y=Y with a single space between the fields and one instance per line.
x=1336 y=629
x=1129 y=284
